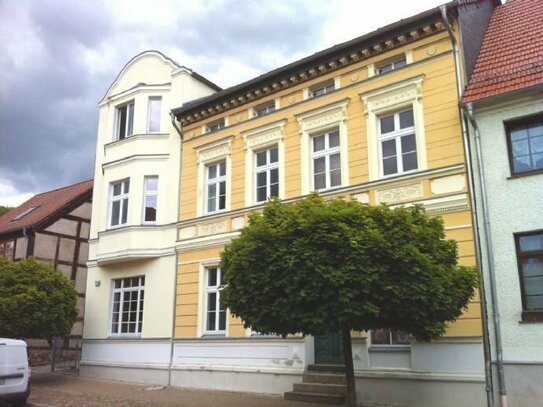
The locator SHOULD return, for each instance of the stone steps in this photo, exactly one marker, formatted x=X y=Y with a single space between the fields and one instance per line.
x=323 y=384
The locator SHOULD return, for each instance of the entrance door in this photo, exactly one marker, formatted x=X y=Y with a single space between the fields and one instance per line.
x=329 y=349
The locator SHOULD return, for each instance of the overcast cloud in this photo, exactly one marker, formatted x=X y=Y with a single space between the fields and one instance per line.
x=59 y=57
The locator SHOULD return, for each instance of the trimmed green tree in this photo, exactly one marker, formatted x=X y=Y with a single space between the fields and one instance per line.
x=36 y=301
x=316 y=267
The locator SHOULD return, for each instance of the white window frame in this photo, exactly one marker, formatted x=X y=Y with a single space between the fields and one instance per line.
x=149 y=193
x=210 y=290
x=215 y=125
x=390 y=99
x=149 y=104
x=256 y=140
x=317 y=122
x=397 y=136
x=210 y=154
x=124 y=195
x=130 y=113
x=309 y=92
x=139 y=306
x=267 y=169
x=326 y=153
x=254 y=111
x=389 y=344
x=216 y=181
x=373 y=69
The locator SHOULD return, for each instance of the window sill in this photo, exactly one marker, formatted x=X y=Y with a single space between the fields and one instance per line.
x=389 y=348
x=211 y=335
x=525 y=174
x=530 y=317
x=124 y=336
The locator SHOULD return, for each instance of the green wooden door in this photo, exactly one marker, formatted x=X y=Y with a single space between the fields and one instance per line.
x=329 y=349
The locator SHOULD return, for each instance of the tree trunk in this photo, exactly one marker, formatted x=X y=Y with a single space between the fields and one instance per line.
x=349 y=368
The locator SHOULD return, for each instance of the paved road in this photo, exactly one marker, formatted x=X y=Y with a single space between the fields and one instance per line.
x=58 y=390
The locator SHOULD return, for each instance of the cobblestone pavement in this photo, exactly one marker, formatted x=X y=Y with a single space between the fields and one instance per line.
x=61 y=390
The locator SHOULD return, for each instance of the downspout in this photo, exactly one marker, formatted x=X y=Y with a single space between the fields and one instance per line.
x=490 y=256
x=174 y=302
x=473 y=204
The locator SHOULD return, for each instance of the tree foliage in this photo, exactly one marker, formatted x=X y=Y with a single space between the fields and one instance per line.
x=318 y=266
x=4 y=209
x=35 y=300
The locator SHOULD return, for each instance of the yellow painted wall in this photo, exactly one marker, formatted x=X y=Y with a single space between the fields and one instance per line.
x=432 y=57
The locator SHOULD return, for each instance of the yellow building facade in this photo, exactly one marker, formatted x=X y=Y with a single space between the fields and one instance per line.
x=375 y=119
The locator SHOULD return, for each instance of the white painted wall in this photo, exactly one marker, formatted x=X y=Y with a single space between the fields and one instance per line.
x=515 y=205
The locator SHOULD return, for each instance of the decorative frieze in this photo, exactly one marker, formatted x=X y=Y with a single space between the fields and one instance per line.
x=238 y=222
x=403 y=193
x=213 y=228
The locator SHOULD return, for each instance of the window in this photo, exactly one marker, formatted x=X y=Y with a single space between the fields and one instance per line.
x=388 y=337
x=525 y=140
x=215 y=315
x=6 y=249
x=398 y=143
x=326 y=160
x=24 y=213
x=263 y=110
x=125 y=121
x=214 y=126
x=267 y=174
x=216 y=187
x=127 y=307
x=322 y=89
x=119 y=203
x=154 y=112
x=530 y=264
x=390 y=65
x=150 y=196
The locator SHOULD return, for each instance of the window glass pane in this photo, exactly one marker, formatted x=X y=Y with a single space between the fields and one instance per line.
x=222 y=320
x=124 y=216
x=261 y=194
x=538 y=161
x=520 y=147
x=533 y=286
x=212 y=191
x=222 y=202
x=519 y=134
x=536 y=144
x=126 y=186
x=399 y=338
x=261 y=158
x=385 y=68
x=211 y=203
x=117 y=189
x=335 y=162
x=319 y=165
x=536 y=130
x=274 y=176
x=121 y=117
x=212 y=172
x=335 y=178
x=409 y=161
x=409 y=143
x=390 y=166
x=333 y=139
x=532 y=267
x=212 y=277
x=389 y=148
x=534 y=302
x=380 y=337
x=115 y=212
x=154 y=114
x=530 y=243
x=399 y=64
x=222 y=188
x=130 y=119
x=261 y=179
x=318 y=143
x=118 y=285
x=151 y=184
x=320 y=181
x=274 y=190
x=522 y=164
x=150 y=208
x=210 y=321
x=406 y=119
x=222 y=169
x=387 y=124
x=274 y=156
x=211 y=301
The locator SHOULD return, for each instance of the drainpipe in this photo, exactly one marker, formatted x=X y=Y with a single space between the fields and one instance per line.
x=490 y=256
x=473 y=204
x=174 y=302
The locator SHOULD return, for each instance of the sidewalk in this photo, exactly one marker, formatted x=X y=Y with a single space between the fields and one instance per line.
x=60 y=389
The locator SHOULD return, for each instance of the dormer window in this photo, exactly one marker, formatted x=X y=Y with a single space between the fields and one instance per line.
x=125 y=121
x=322 y=89
x=214 y=126
x=391 y=64
x=264 y=109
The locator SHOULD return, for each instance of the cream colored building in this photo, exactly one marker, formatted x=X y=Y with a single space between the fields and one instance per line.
x=132 y=258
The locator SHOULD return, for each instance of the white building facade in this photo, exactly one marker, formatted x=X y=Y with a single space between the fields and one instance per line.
x=132 y=253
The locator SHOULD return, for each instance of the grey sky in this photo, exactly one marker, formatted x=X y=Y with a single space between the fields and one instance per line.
x=59 y=57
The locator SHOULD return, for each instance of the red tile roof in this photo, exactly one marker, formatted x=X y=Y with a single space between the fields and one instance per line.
x=511 y=56
x=46 y=204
